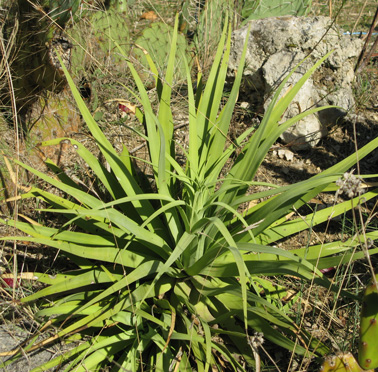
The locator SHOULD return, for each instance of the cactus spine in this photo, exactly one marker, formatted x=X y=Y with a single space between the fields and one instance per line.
x=368 y=344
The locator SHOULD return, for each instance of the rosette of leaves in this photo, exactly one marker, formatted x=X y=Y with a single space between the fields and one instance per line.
x=168 y=276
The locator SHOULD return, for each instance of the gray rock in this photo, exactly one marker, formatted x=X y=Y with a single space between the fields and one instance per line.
x=276 y=45
x=12 y=337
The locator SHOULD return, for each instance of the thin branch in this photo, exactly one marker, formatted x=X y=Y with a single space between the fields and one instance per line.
x=362 y=60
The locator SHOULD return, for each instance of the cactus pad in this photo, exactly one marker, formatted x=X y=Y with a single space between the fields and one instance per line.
x=110 y=27
x=94 y=37
x=209 y=22
x=342 y=362
x=368 y=344
x=61 y=11
x=274 y=8
x=156 y=40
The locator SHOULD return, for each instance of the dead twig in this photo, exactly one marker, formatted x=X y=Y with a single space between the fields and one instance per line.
x=365 y=55
x=359 y=16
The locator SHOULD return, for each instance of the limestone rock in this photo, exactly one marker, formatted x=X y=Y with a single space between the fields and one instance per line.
x=276 y=45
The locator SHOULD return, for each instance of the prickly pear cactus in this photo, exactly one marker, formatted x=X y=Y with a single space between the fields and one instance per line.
x=156 y=40
x=253 y=9
x=208 y=24
x=368 y=343
x=110 y=27
x=31 y=38
x=61 y=11
x=342 y=362
x=211 y=19
x=119 y=5
x=94 y=38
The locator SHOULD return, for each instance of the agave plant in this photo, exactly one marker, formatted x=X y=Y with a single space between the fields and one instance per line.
x=170 y=279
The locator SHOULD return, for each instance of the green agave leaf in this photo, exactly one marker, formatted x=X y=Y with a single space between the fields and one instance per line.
x=223 y=265
x=328 y=249
x=122 y=174
x=61 y=359
x=282 y=204
x=280 y=256
x=340 y=168
x=111 y=215
x=131 y=361
x=218 y=287
x=91 y=226
x=192 y=166
x=181 y=246
x=65 y=235
x=106 y=178
x=208 y=344
x=227 y=355
x=94 y=360
x=153 y=319
x=162 y=211
x=247 y=164
x=160 y=135
x=243 y=271
x=120 y=256
x=196 y=345
x=261 y=264
x=79 y=195
x=95 y=352
x=345 y=258
x=221 y=127
x=208 y=146
x=226 y=155
x=258 y=316
x=154 y=336
x=125 y=301
x=266 y=143
x=149 y=118
x=207 y=110
x=282 y=228
x=259 y=324
x=165 y=122
x=71 y=308
x=69 y=282
x=141 y=272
